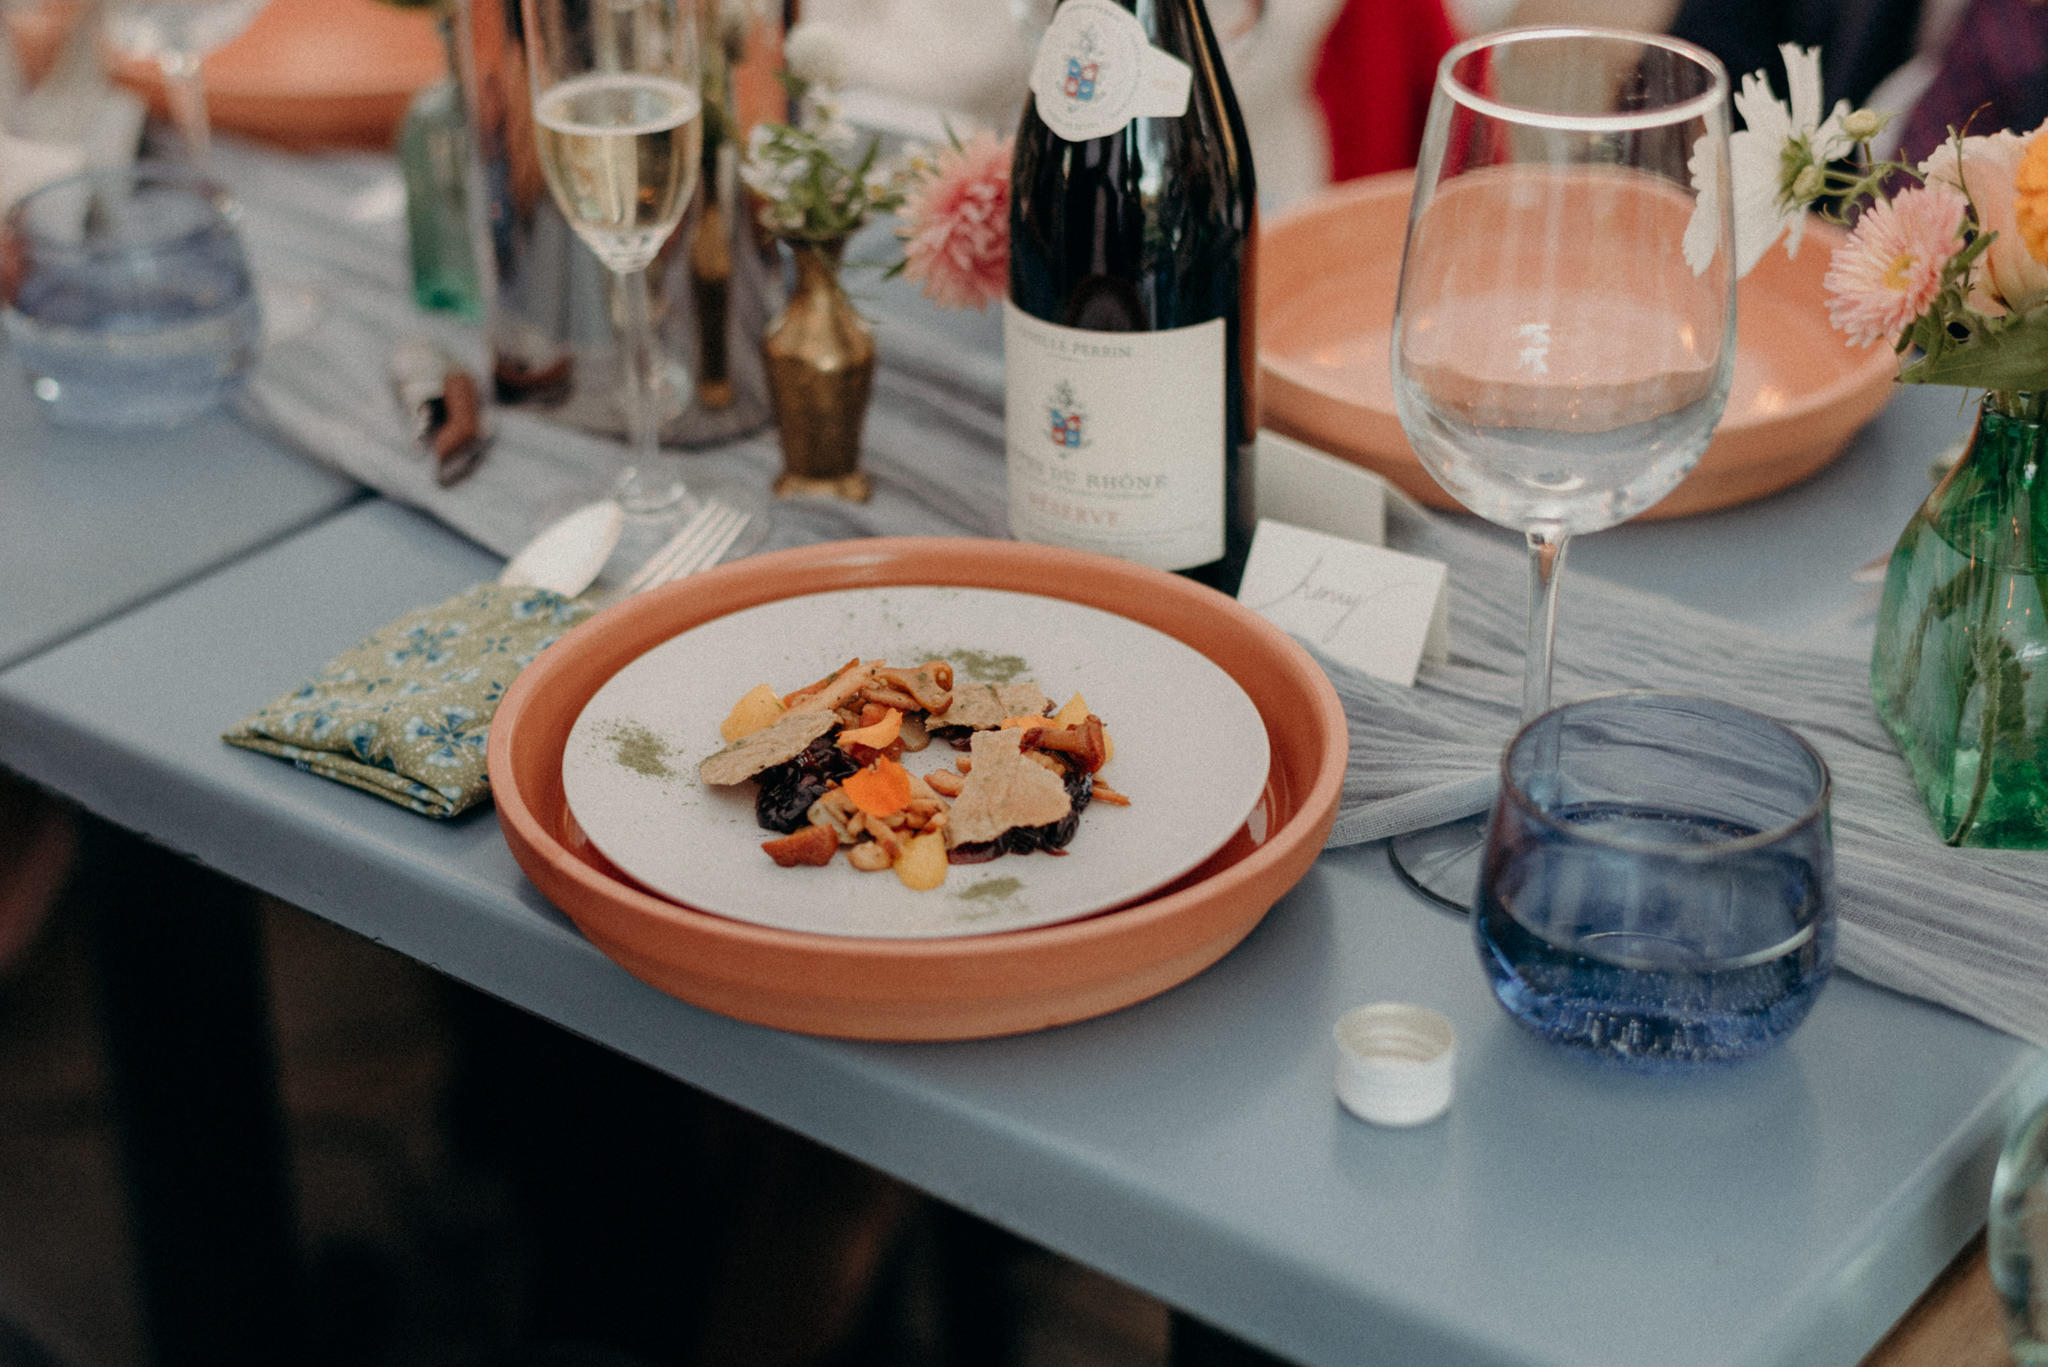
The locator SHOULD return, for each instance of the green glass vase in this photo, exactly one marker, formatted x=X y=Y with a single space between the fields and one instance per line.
x=1960 y=668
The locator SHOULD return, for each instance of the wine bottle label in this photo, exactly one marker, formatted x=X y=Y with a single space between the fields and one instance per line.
x=1095 y=72
x=1115 y=439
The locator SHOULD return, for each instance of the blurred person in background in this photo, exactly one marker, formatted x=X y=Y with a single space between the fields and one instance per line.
x=1330 y=89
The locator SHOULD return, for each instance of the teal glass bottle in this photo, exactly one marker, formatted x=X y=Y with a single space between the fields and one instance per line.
x=1960 y=668
x=433 y=155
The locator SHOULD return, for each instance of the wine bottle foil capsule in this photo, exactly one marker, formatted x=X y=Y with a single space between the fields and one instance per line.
x=1395 y=1063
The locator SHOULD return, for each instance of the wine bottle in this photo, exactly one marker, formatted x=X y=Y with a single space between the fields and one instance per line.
x=1128 y=335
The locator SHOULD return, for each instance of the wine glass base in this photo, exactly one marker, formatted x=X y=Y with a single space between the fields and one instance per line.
x=648 y=528
x=1441 y=863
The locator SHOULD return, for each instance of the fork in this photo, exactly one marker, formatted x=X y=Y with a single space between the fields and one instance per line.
x=697 y=545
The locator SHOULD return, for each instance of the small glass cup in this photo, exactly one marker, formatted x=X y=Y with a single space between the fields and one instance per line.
x=1658 y=889
x=128 y=297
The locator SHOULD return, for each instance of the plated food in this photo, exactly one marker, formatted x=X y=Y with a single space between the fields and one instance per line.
x=828 y=764
x=1190 y=750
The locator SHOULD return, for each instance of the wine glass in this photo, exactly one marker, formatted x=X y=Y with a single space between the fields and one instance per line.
x=618 y=119
x=177 y=35
x=1565 y=331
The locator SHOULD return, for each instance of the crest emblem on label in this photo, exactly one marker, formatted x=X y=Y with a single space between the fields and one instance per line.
x=1081 y=79
x=1069 y=419
x=1095 y=72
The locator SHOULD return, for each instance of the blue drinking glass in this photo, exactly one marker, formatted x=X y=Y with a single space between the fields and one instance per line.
x=1658 y=890
x=129 y=301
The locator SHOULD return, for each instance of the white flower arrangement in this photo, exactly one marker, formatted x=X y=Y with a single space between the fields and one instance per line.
x=815 y=180
x=1947 y=260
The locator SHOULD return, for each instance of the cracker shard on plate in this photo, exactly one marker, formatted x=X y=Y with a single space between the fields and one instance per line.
x=1005 y=789
x=981 y=705
x=775 y=744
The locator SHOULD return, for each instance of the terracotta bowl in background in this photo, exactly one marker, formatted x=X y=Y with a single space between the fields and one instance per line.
x=305 y=74
x=957 y=988
x=1329 y=273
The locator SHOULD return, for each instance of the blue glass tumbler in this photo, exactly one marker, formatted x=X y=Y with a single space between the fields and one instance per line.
x=128 y=297
x=1658 y=888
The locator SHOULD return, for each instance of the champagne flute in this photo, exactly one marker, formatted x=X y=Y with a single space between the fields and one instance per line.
x=1565 y=332
x=177 y=35
x=618 y=119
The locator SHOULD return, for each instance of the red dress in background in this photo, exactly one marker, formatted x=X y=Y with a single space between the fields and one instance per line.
x=1373 y=81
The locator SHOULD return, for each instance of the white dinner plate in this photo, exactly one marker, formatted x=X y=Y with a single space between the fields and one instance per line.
x=1191 y=754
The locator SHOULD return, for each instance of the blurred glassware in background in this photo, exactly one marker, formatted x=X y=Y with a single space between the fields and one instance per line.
x=177 y=35
x=72 y=119
x=2018 y=1238
x=128 y=297
x=433 y=156
x=548 y=303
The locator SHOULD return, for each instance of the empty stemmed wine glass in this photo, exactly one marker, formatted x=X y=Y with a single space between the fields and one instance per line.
x=1565 y=332
x=177 y=35
x=618 y=118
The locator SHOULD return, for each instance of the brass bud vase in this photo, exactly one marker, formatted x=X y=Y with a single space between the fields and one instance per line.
x=821 y=372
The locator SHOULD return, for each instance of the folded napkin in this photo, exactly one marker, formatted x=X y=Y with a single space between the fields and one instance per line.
x=1966 y=928
x=404 y=714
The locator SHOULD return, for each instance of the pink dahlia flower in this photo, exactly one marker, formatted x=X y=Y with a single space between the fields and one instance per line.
x=1888 y=272
x=956 y=225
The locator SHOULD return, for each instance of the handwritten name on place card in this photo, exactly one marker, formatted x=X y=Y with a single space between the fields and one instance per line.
x=1368 y=607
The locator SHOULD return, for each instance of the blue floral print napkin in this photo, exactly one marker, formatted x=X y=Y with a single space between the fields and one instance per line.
x=405 y=713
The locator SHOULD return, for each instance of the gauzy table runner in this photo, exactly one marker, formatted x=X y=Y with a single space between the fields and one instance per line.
x=1965 y=928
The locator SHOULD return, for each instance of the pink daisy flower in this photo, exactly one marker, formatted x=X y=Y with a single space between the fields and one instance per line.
x=1888 y=272
x=956 y=225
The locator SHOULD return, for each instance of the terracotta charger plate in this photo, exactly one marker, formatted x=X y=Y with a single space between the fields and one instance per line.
x=304 y=74
x=1329 y=273
x=935 y=988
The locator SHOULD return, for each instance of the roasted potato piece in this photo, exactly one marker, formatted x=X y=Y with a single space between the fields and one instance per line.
x=922 y=865
x=760 y=707
x=813 y=845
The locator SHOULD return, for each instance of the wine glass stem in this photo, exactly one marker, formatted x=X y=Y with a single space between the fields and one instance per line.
x=185 y=92
x=644 y=487
x=1547 y=545
x=643 y=419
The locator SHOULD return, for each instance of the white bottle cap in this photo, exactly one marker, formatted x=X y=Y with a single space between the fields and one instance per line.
x=1394 y=1063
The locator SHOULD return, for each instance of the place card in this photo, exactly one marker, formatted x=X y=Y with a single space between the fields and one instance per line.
x=1365 y=606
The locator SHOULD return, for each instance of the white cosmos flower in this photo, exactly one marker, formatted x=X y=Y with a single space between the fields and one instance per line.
x=1776 y=146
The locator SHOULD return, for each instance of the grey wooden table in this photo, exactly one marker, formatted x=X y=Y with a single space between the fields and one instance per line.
x=1786 y=1212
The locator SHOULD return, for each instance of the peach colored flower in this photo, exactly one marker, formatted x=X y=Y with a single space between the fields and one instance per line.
x=1986 y=169
x=1889 y=271
x=2030 y=195
x=956 y=225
